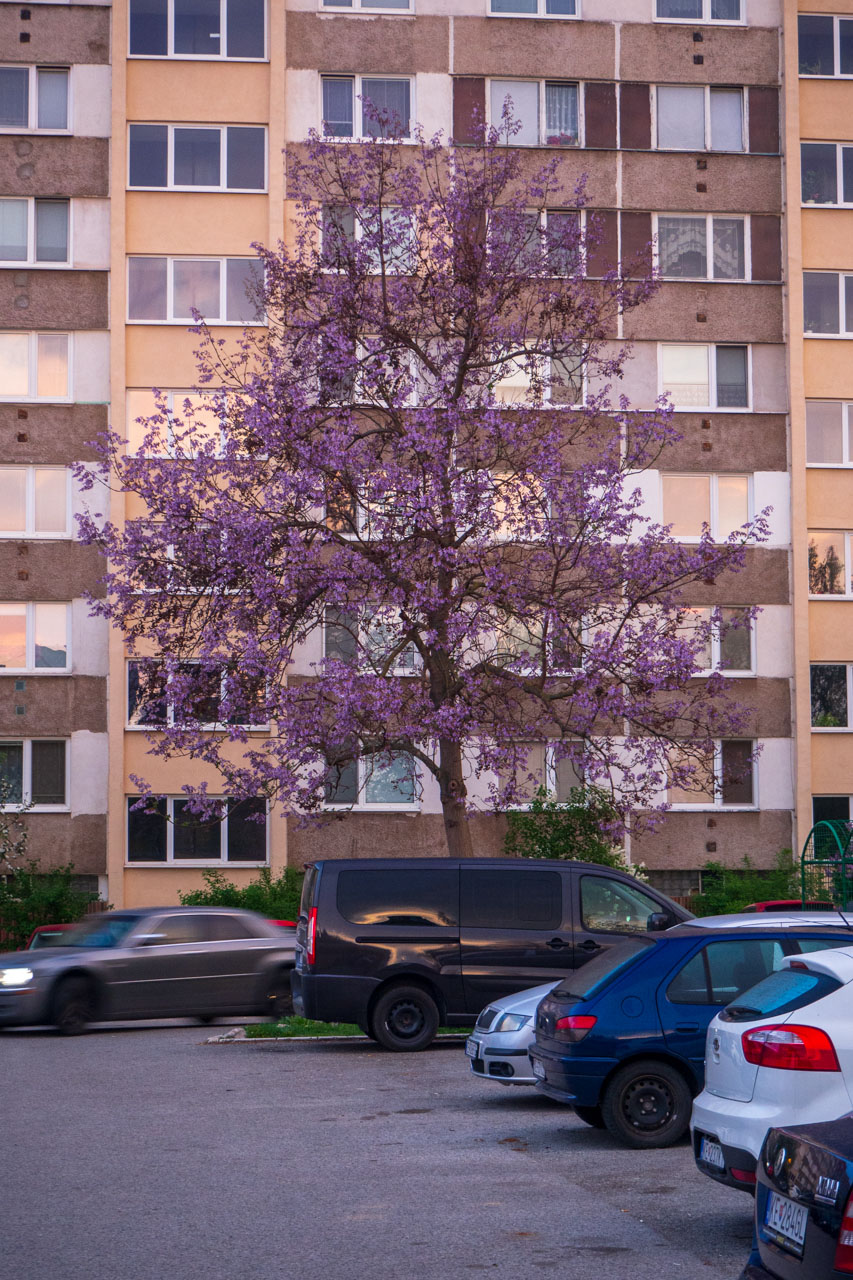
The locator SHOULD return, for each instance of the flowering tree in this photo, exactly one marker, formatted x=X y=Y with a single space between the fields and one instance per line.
x=419 y=461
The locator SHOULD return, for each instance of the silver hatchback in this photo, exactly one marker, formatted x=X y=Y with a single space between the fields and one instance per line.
x=497 y=1047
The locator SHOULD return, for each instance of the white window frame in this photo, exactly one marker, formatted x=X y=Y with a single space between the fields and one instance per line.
x=541 y=82
x=714 y=478
x=360 y=805
x=358 y=235
x=843 y=335
x=32 y=125
x=540 y=13
x=836 y=43
x=218 y=726
x=362 y=6
x=174 y=399
x=731 y=673
x=30 y=667
x=706 y=19
x=846 y=407
x=840 y=148
x=712 y=378
x=222 y=130
x=729 y=88
x=202 y=57
x=841 y=728
x=32 y=397
x=358 y=106
x=717 y=801
x=363 y=643
x=182 y=321
x=709 y=218
x=30 y=261
x=27 y=775
x=549 y=778
x=29 y=532
x=847 y=594
x=171 y=860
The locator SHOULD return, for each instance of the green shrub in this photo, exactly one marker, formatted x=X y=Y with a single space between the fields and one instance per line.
x=30 y=897
x=730 y=889
x=277 y=899
x=580 y=829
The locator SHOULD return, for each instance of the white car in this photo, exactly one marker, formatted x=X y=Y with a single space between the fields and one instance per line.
x=497 y=1047
x=780 y=1054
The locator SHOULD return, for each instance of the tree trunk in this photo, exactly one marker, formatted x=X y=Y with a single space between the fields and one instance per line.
x=453 y=792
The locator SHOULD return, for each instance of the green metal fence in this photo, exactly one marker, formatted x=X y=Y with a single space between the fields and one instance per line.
x=826 y=865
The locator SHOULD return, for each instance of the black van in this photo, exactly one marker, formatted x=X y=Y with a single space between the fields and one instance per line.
x=403 y=945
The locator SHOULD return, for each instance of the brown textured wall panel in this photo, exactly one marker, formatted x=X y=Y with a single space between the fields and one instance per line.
x=762 y=580
x=769 y=703
x=766 y=233
x=469 y=107
x=635 y=116
x=756 y=442
x=599 y=168
x=764 y=121
x=387 y=835
x=54 y=432
x=734 y=55
x=393 y=46
x=599 y=114
x=58 y=838
x=635 y=248
x=681 y=839
x=668 y=180
x=54 y=706
x=34 y=166
x=603 y=251
x=743 y=312
x=54 y=299
x=55 y=570
x=506 y=47
x=58 y=33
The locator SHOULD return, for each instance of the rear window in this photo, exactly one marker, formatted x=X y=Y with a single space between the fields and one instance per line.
x=511 y=899
x=583 y=982
x=781 y=992
x=399 y=897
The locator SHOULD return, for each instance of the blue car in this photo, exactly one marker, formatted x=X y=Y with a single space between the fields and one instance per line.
x=622 y=1039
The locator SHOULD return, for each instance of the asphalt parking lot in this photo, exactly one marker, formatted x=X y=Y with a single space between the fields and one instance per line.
x=146 y=1154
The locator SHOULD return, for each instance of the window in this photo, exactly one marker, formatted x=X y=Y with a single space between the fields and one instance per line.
x=35 y=772
x=692 y=500
x=830 y=809
x=705 y=248
x=549 y=242
x=724 y=778
x=826 y=173
x=829 y=433
x=198 y=28
x=184 y=409
x=826 y=45
x=697 y=376
x=534 y=8
x=370 y=637
x=34 y=366
x=34 y=502
x=168 y=290
x=345 y=98
x=380 y=780
x=150 y=707
x=722 y=970
x=831 y=690
x=829 y=560
x=547 y=110
x=699 y=10
x=166 y=831
x=699 y=118
x=827 y=303
x=34 y=637
x=729 y=646
x=390 y=237
x=33 y=231
x=510 y=899
x=213 y=159
x=34 y=98
x=370 y=5
x=419 y=898
x=610 y=906
x=538 y=767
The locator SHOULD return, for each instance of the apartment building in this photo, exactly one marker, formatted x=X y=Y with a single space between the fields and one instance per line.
x=55 y=113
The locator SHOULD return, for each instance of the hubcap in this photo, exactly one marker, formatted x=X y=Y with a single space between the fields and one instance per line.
x=405 y=1019
x=648 y=1104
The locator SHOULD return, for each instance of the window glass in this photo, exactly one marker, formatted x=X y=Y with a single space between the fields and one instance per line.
x=818 y=173
x=196 y=288
x=242 y=283
x=690 y=984
x=732 y=378
x=739 y=964
x=197 y=26
x=149 y=31
x=247 y=831
x=681 y=117
x=561 y=114
x=686 y=504
x=13 y=230
x=14 y=97
x=389 y=778
x=685 y=9
x=816 y=45
x=699 y=788
x=783 y=992
x=511 y=899
x=341 y=785
x=824 y=427
x=610 y=905
x=147 y=288
x=847 y=174
x=820 y=302
x=51 y=230
x=737 y=772
x=52 y=99
x=408 y=896
x=529 y=773
x=684 y=374
x=149 y=148
x=146 y=831
x=13 y=635
x=525 y=108
x=246 y=158
x=245 y=28
x=568 y=778
x=194 y=836
x=50 y=639
x=725 y=10
x=732 y=504
x=177 y=930
x=146 y=695
x=562 y=7
x=829 y=695
x=12 y=770
x=729 y=249
x=826 y=808
x=48 y=772
x=845 y=46
x=827 y=575
x=338 y=106
x=52 y=366
x=222 y=928
x=14 y=364
x=341 y=635
x=682 y=247
x=726 y=120
x=13 y=499
x=51 y=500
x=388 y=96
x=848 y=304
x=196 y=159
x=513 y=6
x=735 y=643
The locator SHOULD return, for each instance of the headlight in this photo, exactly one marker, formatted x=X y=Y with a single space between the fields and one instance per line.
x=511 y=1022
x=15 y=977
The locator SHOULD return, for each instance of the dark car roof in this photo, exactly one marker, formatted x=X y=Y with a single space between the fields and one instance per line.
x=542 y=864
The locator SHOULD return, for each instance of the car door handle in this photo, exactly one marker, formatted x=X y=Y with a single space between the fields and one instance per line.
x=557 y=944
x=687 y=1026
x=589 y=945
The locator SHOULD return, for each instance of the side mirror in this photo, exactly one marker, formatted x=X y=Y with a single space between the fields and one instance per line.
x=658 y=920
x=150 y=939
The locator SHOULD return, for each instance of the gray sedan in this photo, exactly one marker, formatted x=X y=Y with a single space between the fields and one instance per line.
x=155 y=962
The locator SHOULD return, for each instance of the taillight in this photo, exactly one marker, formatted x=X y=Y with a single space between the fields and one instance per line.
x=574 y=1027
x=844 y=1248
x=790 y=1048
x=311 y=937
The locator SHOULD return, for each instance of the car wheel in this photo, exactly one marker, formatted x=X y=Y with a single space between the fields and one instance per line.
x=647 y=1104
x=591 y=1116
x=404 y=1019
x=279 y=998
x=74 y=1006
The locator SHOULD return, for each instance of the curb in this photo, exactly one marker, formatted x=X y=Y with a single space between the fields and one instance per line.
x=226 y=1039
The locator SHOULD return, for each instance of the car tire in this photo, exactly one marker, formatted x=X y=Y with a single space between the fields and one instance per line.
x=279 y=997
x=404 y=1019
x=73 y=1006
x=591 y=1116
x=647 y=1104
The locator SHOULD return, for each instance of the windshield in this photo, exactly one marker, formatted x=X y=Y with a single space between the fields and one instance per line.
x=100 y=931
x=581 y=984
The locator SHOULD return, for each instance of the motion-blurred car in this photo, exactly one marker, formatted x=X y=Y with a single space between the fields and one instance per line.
x=780 y=1054
x=155 y=962
x=789 y=904
x=46 y=935
x=804 y=1203
x=503 y=1033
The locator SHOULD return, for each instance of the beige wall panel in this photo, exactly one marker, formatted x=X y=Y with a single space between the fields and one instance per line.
x=380 y=46
x=828 y=366
x=507 y=47
x=53 y=299
x=58 y=33
x=189 y=222
x=218 y=92
x=35 y=166
x=756 y=443
x=832 y=763
x=58 y=838
x=161 y=886
x=162 y=355
x=831 y=632
x=751 y=312
x=661 y=181
x=827 y=237
x=387 y=835
x=169 y=775
x=656 y=52
x=54 y=432
x=682 y=839
x=54 y=705
x=826 y=107
x=830 y=498
x=825 y=6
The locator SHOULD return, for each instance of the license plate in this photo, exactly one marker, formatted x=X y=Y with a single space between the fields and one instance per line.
x=786 y=1221
x=472 y=1048
x=712 y=1153
x=538 y=1069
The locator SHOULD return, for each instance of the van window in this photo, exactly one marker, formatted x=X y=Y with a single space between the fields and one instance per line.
x=401 y=896
x=721 y=970
x=610 y=905
x=511 y=899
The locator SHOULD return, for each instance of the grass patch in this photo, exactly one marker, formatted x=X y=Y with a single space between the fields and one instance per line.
x=296 y=1026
